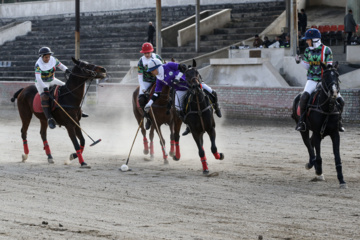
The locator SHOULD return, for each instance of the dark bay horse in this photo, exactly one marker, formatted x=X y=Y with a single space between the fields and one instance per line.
x=70 y=98
x=199 y=115
x=164 y=114
x=322 y=119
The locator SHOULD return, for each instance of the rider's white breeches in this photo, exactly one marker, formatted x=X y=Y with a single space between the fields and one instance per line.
x=40 y=87
x=310 y=87
x=179 y=99
x=144 y=87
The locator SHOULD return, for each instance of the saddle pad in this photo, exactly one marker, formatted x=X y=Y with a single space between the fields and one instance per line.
x=37 y=101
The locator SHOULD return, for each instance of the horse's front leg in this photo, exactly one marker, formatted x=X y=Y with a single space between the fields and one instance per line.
x=43 y=130
x=335 y=137
x=80 y=136
x=310 y=148
x=316 y=141
x=212 y=135
x=72 y=134
x=151 y=137
x=172 y=139
x=199 y=142
x=177 y=126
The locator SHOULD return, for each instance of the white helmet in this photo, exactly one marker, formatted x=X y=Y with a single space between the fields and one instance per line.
x=154 y=64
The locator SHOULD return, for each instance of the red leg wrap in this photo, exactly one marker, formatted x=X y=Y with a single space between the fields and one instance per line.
x=217 y=155
x=146 y=147
x=46 y=147
x=26 y=147
x=172 y=147
x=82 y=149
x=204 y=163
x=177 y=145
x=78 y=153
x=151 y=148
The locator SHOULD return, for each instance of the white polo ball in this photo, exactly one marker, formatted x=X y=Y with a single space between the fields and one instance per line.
x=124 y=168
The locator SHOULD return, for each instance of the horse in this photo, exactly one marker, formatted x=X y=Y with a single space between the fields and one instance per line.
x=160 y=114
x=322 y=119
x=198 y=115
x=70 y=97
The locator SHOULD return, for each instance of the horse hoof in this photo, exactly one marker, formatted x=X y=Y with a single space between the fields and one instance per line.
x=222 y=156
x=343 y=186
x=175 y=158
x=166 y=162
x=72 y=156
x=50 y=160
x=146 y=152
x=171 y=154
x=319 y=178
x=24 y=157
x=308 y=166
x=152 y=156
x=84 y=165
x=206 y=172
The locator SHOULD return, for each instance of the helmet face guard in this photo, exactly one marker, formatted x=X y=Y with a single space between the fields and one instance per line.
x=45 y=51
x=147 y=48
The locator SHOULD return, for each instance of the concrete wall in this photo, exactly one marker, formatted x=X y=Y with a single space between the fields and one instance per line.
x=207 y=26
x=12 y=30
x=352 y=54
x=169 y=34
x=55 y=7
x=332 y=3
x=250 y=72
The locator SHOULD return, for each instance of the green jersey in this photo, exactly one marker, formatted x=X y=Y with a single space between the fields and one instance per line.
x=143 y=67
x=313 y=57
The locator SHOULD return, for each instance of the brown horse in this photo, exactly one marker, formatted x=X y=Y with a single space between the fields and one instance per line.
x=199 y=115
x=70 y=98
x=163 y=115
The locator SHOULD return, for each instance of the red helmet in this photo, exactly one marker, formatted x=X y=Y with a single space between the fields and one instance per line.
x=146 y=48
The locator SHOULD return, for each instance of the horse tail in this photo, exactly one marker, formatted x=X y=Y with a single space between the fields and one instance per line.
x=16 y=95
x=294 y=108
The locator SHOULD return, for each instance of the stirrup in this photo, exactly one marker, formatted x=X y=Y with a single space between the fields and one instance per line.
x=341 y=128
x=301 y=127
x=187 y=131
x=51 y=123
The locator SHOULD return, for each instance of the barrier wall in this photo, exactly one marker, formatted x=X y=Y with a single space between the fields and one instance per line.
x=236 y=102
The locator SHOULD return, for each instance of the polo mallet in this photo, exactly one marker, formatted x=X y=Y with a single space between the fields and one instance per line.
x=124 y=167
x=159 y=133
x=94 y=142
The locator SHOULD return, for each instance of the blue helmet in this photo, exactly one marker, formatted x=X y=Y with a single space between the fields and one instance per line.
x=312 y=33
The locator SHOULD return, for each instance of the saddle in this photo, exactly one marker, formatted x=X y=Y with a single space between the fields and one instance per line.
x=147 y=94
x=54 y=94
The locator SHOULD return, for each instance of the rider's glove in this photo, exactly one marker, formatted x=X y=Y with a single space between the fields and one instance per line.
x=297 y=59
x=177 y=78
x=148 y=105
x=46 y=89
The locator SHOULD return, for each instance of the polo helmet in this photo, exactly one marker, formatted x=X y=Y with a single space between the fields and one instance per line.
x=154 y=64
x=45 y=51
x=312 y=33
x=146 y=48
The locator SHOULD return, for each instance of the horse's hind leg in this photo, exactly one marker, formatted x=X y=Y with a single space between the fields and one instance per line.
x=81 y=138
x=43 y=130
x=212 y=135
x=25 y=118
x=336 y=149
x=310 y=148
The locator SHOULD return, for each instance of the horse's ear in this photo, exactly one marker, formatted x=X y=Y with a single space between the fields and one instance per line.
x=75 y=61
x=194 y=63
x=336 y=65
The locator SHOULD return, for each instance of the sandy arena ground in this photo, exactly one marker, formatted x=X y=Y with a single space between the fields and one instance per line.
x=262 y=191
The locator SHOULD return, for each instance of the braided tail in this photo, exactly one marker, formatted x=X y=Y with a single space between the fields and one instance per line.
x=16 y=95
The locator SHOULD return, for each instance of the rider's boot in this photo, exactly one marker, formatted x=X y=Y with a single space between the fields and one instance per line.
x=303 y=104
x=85 y=115
x=45 y=104
x=187 y=131
x=214 y=99
x=341 y=103
x=142 y=103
